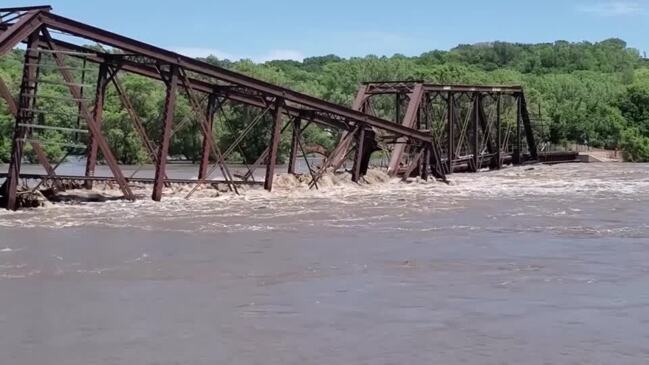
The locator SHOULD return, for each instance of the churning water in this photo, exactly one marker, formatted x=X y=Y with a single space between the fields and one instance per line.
x=542 y=265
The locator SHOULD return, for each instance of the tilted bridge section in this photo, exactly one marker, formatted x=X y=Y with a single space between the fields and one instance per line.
x=423 y=137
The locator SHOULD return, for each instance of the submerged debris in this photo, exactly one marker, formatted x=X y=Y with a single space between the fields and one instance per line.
x=26 y=198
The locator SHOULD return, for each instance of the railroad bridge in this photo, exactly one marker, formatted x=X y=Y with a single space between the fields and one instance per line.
x=425 y=129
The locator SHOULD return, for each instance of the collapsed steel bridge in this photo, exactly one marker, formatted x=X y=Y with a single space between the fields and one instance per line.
x=473 y=127
x=409 y=138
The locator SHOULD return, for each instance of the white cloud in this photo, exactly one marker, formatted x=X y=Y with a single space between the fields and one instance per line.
x=276 y=54
x=612 y=8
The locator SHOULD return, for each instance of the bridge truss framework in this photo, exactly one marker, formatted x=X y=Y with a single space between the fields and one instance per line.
x=207 y=88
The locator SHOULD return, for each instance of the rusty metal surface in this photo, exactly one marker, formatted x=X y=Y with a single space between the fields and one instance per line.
x=168 y=119
x=98 y=116
x=409 y=119
x=142 y=180
x=274 y=145
x=27 y=94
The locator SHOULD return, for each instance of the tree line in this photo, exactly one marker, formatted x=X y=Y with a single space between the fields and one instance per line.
x=586 y=93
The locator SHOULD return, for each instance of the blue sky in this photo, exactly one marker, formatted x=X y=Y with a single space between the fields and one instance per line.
x=263 y=30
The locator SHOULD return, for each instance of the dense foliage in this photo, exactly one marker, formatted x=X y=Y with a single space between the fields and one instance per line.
x=587 y=93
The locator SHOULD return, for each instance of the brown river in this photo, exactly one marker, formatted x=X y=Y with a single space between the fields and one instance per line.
x=548 y=265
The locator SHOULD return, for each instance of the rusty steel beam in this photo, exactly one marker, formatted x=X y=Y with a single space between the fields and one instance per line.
x=405 y=87
x=143 y=180
x=486 y=130
x=23 y=116
x=41 y=156
x=414 y=164
x=358 y=159
x=529 y=133
x=450 y=130
x=274 y=145
x=518 y=153
x=360 y=99
x=85 y=113
x=25 y=8
x=167 y=120
x=345 y=143
x=189 y=64
x=198 y=85
x=98 y=116
x=332 y=160
x=409 y=120
x=359 y=104
x=499 y=157
x=475 y=140
x=5 y=93
x=19 y=31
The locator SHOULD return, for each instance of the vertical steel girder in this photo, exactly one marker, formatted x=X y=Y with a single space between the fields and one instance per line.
x=295 y=145
x=23 y=116
x=450 y=123
x=264 y=155
x=519 y=147
x=41 y=156
x=205 y=150
x=276 y=133
x=409 y=120
x=358 y=159
x=474 y=135
x=165 y=139
x=98 y=112
x=529 y=133
x=484 y=126
x=499 y=138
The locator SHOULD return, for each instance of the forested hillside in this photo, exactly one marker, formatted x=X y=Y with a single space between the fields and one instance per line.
x=594 y=93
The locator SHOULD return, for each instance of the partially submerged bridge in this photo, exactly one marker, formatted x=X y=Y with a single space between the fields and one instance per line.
x=432 y=129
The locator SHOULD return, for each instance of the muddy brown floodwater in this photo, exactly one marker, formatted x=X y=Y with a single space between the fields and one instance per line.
x=543 y=266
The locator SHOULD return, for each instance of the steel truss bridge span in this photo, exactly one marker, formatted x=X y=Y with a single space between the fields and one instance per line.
x=412 y=144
